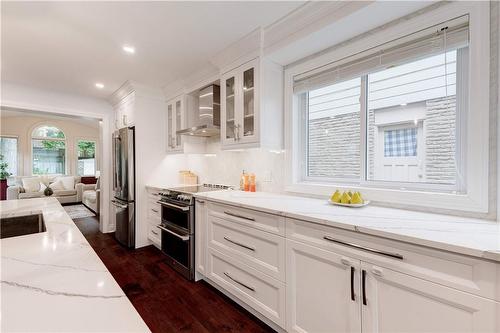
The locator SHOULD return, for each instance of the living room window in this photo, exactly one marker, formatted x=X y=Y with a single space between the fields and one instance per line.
x=86 y=151
x=399 y=114
x=8 y=149
x=48 y=150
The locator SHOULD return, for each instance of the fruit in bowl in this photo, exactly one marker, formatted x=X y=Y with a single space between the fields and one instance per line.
x=336 y=196
x=347 y=198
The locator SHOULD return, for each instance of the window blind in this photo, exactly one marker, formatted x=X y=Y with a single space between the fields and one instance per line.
x=447 y=36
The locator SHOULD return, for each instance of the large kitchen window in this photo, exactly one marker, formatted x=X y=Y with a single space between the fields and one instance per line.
x=400 y=113
x=48 y=145
x=86 y=151
x=8 y=150
x=391 y=117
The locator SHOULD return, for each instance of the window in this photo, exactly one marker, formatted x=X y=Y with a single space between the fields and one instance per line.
x=8 y=149
x=48 y=150
x=390 y=117
x=86 y=158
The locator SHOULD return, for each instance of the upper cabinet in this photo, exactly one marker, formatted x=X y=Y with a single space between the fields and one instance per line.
x=124 y=112
x=175 y=122
x=251 y=106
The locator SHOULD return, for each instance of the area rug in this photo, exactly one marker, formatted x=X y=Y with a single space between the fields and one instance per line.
x=78 y=211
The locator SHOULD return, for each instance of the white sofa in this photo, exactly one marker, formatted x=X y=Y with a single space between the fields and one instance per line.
x=66 y=195
x=91 y=196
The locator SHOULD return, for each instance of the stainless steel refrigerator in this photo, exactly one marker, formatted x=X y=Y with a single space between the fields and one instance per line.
x=124 y=186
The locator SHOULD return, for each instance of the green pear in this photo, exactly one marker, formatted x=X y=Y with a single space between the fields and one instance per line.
x=346 y=198
x=336 y=196
x=356 y=198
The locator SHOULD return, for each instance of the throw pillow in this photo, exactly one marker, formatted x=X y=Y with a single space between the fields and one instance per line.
x=42 y=187
x=57 y=185
x=31 y=184
x=68 y=182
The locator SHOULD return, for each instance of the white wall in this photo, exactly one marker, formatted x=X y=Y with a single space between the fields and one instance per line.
x=36 y=99
x=23 y=126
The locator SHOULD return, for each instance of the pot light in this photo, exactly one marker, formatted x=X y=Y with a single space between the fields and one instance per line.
x=99 y=85
x=129 y=49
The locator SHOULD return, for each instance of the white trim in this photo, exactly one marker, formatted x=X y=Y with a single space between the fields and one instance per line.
x=476 y=199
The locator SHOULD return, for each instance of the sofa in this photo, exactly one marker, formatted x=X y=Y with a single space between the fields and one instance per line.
x=90 y=196
x=65 y=189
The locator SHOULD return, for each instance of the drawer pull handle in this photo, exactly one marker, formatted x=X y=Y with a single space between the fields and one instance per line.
x=154 y=210
x=239 y=244
x=154 y=232
x=238 y=282
x=363 y=285
x=240 y=216
x=200 y=201
x=353 y=295
x=368 y=249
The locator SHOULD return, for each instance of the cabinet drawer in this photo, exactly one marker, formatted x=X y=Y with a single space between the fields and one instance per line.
x=252 y=218
x=261 y=292
x=461 y=272
x=257 y=249
x=154 y=234
x=154 y=211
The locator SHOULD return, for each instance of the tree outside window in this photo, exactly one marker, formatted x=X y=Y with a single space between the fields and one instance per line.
x=86 y=158
x=49 y=150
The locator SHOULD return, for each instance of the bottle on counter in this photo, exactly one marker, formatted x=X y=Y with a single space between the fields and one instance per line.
x=252 y=185
x=242 y=181
x=246 y=182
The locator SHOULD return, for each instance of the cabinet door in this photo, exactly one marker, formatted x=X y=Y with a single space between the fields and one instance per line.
x=178 y=123
x=397 y=302
x=248 y=112
x=200 y=238
x=228 y=108
x=170 y=126
x=323 y=293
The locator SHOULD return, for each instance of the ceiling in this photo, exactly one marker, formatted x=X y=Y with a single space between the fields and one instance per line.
x=70 y=46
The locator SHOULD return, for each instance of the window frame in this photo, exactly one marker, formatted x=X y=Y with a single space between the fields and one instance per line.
x=65 y=140
x=18 y=153
x=477 y=99
x=96 y=160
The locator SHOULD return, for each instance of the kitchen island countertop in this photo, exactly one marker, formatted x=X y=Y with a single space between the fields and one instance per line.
x=53 y=281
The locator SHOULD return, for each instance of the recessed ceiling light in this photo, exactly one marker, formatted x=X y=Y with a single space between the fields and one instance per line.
x=129 y=49
x=99 y=85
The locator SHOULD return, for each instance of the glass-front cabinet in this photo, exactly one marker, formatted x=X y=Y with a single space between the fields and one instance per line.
x=175 y=122
x=239 y=109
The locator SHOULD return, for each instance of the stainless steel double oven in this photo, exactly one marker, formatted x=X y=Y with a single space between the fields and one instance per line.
x=177 y=236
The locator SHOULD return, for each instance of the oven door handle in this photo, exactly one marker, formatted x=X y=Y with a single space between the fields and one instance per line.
x=185 y=209
x=117 y=204
x=184 y=238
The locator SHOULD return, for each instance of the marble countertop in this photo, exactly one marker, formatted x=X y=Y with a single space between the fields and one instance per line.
x=54 y=281
x=473 y=237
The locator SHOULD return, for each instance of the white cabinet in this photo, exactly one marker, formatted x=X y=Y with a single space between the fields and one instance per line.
x=323 y=291
x=251 y=106
x=124 y=112
x=396 y=302
x=154 y=218
x=200 y=228
x=175 y=122
x=330 y=292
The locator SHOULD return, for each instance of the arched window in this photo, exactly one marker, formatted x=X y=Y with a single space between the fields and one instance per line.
x=48 y=150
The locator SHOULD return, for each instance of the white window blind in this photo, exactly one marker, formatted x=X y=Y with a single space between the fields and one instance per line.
x=447 y=36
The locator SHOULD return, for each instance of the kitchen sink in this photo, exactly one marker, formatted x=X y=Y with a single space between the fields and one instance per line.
x=21 y=225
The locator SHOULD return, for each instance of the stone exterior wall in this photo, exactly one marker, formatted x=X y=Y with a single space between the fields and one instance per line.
x=440 y=140
x=334 y=144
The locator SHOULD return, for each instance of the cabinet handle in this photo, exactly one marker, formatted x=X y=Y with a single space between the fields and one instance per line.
x=353 y=296
x=154 y=232
x=239 y=244
x=368 y=249
x=154 y=210
x=238 y=282
x=200 y=201
x=240 y=216
x=363 y=283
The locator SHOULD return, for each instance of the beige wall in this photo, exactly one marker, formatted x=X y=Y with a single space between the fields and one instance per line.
x=22 y=127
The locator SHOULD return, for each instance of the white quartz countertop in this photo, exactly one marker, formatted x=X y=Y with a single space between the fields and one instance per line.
x=473 y=237
x=54 y=281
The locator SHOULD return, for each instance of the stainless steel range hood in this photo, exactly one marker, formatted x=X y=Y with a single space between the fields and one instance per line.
x=208 y=117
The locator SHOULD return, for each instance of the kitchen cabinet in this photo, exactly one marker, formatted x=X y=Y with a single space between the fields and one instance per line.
x=397 y=302
x=200 y=238
x=124 y=112
x=323 y=291
x=251 y=106
x=154 y=218
x=175 y=122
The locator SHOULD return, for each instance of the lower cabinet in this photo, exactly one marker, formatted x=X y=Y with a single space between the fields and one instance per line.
x=200 y=239
x=330 y=292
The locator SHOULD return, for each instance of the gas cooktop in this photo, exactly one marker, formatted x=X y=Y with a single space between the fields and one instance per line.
x=184 y=194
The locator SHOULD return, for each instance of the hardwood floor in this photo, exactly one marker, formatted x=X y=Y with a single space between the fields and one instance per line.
x=164 y=299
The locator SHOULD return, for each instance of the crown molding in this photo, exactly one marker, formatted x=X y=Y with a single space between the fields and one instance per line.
x=134 y=87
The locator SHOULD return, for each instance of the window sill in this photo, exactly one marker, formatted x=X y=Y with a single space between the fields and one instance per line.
x=410 y=198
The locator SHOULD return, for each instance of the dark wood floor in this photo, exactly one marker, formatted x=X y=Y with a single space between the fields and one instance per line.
x=166 y=301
